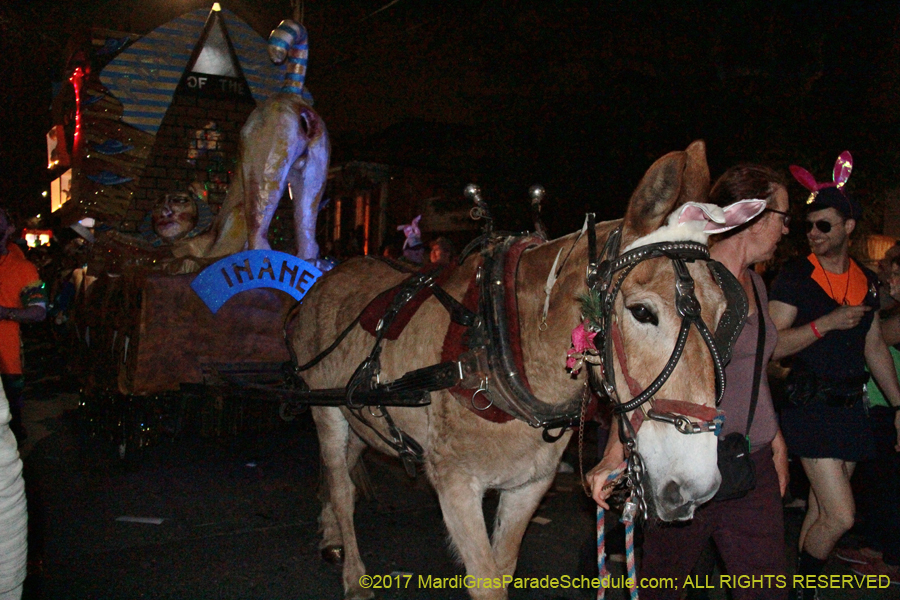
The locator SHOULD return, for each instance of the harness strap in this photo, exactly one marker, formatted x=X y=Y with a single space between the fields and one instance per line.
x=592 y=266
x=384 y=302
x=644 y=396
x=662 y=406
x=682 y=407
x=458 y=312
x=407 y=448
x=321 y=355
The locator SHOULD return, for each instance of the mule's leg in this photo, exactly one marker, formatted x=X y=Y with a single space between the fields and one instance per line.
x=335 y=444
x=513 y=515
x=461 y=500
x=332 y=544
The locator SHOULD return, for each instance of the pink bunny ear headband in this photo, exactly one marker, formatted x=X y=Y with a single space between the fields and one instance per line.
x=695 y=221
x=830 y=195
x=718 y=220
x=842 y=168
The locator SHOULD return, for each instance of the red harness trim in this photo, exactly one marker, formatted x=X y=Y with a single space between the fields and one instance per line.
x=453 y=341
x=379 y=305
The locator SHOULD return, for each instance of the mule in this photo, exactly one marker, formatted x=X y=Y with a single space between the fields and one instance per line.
x=465 y=455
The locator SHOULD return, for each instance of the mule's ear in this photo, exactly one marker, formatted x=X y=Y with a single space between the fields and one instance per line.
x=695 y=186
x=655 y=197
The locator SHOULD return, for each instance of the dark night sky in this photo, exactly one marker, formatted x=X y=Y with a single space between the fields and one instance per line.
x=579 y=96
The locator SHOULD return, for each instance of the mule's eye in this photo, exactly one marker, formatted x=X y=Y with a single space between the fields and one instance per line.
x=643 y=314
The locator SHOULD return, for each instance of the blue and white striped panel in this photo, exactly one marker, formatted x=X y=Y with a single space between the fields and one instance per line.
x=145 y=75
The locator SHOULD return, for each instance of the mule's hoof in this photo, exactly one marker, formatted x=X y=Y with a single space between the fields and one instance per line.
x=333 y=555
x=360 y=595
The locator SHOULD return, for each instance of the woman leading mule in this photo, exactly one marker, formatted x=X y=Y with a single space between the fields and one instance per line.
x=748 y=531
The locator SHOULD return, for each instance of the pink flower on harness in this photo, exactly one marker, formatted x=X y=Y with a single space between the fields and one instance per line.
x=582 y=344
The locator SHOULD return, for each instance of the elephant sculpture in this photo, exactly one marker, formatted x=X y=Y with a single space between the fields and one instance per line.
x=284 y=146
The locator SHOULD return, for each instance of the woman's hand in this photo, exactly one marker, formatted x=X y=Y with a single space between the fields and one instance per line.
x=597 y=479
x=613 y=456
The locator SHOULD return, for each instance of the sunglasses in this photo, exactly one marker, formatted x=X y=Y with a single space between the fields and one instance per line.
x=786 y=216
x=823 y=226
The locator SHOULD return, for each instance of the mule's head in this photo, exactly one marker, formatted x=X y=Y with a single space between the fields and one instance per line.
x=680 y=469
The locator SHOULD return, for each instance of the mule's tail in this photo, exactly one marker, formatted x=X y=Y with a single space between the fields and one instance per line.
x=290 y=41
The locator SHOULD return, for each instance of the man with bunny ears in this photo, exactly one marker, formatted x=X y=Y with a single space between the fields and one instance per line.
x=824 y=306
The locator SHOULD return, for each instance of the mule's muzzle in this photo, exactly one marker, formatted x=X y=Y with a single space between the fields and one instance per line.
x=677 y=502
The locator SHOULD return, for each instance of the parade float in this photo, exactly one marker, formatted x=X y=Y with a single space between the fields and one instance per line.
x=180 y=145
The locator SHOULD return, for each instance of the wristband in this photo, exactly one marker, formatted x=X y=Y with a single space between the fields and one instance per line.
x=812 y=325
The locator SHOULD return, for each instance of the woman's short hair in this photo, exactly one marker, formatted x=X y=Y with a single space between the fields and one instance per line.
x=746 y=181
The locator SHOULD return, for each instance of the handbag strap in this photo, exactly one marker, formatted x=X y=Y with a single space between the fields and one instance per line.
x=757 y=369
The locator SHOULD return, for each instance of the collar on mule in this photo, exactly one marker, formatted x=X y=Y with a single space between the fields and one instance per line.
x=495 y=351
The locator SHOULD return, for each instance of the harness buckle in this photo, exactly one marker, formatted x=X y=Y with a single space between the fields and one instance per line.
x=682 y=423
x=685 y=300
x=598 y=275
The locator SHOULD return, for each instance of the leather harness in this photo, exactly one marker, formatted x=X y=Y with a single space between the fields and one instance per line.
x=492 y=362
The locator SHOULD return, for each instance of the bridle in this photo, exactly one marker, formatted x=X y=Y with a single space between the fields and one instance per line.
x=605 y=278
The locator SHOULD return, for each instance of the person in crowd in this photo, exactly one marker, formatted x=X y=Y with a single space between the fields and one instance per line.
x=23 y=299
x=884 y=272
x=878 y=480
x=748 y=531
x=442 y=251
x=824 y=308
x=13 y=511
x=390 y=251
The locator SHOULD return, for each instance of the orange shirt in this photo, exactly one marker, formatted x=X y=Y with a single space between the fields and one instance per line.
x=16 y=274
x=848 y=288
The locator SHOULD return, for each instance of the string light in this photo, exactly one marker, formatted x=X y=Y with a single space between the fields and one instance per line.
x=76 y=80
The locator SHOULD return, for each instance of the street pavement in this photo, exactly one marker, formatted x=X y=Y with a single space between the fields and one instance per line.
x=235 y=517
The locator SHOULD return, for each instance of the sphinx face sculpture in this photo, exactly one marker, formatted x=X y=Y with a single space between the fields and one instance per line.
x=174 y=216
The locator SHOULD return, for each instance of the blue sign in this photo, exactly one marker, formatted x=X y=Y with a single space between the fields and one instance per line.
x=254 y=269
